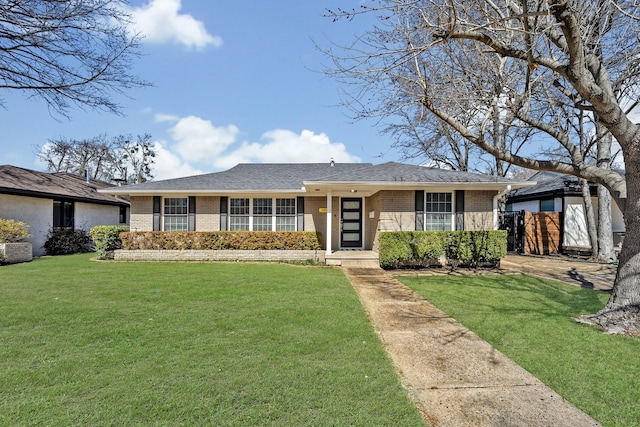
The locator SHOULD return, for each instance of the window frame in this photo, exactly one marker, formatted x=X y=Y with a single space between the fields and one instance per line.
x=429 y=220
x=63 y=215
x=278 y=214
x=168 y=219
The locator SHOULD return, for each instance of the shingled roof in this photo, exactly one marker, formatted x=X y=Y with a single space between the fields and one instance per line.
x=294 y=177
x=26 y=182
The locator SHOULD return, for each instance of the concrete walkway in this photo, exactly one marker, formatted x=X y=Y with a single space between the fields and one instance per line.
x=454 y=377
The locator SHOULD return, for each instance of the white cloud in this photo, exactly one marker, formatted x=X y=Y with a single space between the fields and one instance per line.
x=285 y=146
x=168 y=165
x=197 y=146
x=160 y=22
x=198 y=140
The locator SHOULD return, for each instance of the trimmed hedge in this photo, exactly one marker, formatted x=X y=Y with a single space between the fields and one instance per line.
x=107 y=239
x=220 y=240
x=398 y=249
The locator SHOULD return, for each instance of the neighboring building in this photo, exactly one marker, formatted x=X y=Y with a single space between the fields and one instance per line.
x=349 y=204
x=555 y=192
x=48 y=200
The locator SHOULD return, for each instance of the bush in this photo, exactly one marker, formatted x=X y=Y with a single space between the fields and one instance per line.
x=221 y=240
x=478 y=248
x=12 y=231
x=64 y=241
x=107 y=239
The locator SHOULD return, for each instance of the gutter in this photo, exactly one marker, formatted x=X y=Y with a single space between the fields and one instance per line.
x=495 y=205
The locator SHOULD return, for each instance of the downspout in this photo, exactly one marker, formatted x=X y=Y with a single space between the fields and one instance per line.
x=495 y=205
x=329 y=225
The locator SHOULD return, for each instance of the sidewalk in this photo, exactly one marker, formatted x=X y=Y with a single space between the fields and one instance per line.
x=454 y=377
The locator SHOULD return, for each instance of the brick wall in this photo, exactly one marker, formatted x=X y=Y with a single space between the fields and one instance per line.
x=478 y=210
x=207 y=213
x=141 y=213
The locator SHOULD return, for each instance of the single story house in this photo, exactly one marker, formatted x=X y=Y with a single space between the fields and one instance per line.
x=48 y=200
x=556 y=192
x=348 y=203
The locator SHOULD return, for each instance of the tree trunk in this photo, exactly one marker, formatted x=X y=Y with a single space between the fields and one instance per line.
x=621 y=314
x=590 y=216
x=605 y=228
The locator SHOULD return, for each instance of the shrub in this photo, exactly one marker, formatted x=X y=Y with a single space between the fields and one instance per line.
x=395 y=249
x=12 y=231
x=63 y=241
x=424 y=248
x=221 y=240
x=107 y=239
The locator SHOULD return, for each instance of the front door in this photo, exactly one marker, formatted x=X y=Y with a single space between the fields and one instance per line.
x=351 y=223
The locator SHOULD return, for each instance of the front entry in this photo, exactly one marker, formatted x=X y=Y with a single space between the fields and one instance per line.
x=351 y=223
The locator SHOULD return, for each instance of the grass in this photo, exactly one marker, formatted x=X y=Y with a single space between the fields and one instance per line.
x=530 y=321
x=167 y=344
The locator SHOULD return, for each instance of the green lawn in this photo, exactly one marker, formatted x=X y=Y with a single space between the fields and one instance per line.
x=103 y=343
x=530 y=320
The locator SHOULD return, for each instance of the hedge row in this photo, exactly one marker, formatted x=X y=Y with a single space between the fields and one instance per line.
x=221 y=240
x=107 y=239
x=400 y=249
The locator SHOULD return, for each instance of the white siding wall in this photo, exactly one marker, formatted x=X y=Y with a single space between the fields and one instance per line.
x=89 y=215
x=35 y=212
x=529 y=206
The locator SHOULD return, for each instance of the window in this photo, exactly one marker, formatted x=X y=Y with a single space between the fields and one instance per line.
x=259 y=214
x=63 y=214
x=238 y=214
x=438 y=212
x=285 y=214
x=176 y=214
x=262 y=211
x=547 y=205
x=123 y=215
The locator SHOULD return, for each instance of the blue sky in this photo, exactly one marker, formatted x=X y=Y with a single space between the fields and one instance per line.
x=234 y=81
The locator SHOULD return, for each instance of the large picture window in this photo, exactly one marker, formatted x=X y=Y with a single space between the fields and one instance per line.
x=437 y=212
x=176 y=214
x=258 y=214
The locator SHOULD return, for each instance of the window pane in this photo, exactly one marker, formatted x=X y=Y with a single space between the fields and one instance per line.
x=239 y=207
x=175 y=223
x=239 y=223
x=547 y=205
x=262 y=223
x=437 y=222
x=175 y=206
x=262 y=207
x=285 y=206
x=285 y=223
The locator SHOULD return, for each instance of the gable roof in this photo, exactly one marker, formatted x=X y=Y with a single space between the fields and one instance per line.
x=304 y=177
x=30 y=183
x=548 y=184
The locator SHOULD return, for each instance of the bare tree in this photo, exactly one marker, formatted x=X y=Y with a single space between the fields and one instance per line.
x=74 y=52
x=123 y=157
x=433 y=55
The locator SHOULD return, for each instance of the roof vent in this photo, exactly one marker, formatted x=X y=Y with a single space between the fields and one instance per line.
x=332 y=163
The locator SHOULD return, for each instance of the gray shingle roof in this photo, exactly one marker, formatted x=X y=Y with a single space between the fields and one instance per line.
x=548 y=183
x=293 y=176
x=26 y=182
x=251 y=176
x=391 y=172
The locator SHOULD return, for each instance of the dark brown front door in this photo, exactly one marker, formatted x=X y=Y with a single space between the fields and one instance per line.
x=351 y=223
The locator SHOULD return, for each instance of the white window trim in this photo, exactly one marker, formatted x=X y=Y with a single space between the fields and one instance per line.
x=163 y=215
x=452 y=213
x=274 y=216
